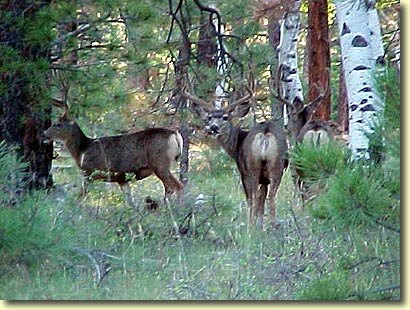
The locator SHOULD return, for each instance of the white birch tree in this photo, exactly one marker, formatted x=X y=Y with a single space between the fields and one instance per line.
x=221 y=62
x=290 y=86
x=362 y=50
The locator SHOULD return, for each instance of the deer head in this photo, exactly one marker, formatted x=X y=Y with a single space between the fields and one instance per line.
x=63 y=130
x=217 y=121
x=300 y=114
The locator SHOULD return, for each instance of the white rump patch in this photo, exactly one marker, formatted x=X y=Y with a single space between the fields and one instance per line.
x=175 y=144
x=264 y=147
x=316 y=137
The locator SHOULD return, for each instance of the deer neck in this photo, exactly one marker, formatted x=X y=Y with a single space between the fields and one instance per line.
x=77 y=143
x=232 y=139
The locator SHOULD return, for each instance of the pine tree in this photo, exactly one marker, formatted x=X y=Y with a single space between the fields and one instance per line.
x=24 y=114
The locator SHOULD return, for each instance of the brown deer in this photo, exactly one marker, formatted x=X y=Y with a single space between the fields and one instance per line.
x=260 y=153
x=143 y=153
x=303 y=129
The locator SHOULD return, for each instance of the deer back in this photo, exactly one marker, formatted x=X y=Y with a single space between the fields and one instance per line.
x=146 y=149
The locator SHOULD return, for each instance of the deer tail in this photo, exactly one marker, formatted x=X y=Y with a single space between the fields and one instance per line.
x=180 y=143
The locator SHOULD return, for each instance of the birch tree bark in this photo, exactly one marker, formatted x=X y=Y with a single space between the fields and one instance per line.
x=273 y=11
x=221 y=62
x=290 y=86
x=362 y=50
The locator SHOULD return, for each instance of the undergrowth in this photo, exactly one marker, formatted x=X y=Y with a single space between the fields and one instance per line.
x=112 y=245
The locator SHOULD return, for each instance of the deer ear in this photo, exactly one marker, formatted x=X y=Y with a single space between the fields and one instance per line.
x=199 y=110
x=240 y=110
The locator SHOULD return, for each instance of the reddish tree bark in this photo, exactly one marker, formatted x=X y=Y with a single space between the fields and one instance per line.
x=319 y=56
x=207 y=47
x=342 y=105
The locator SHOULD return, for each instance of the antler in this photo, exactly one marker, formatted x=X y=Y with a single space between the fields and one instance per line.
x=61 y=104
x=242 y=100
x=314 y=103
x=195 y=99
x=288 y=103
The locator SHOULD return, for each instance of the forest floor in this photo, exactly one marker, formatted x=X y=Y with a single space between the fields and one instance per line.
x=110 y=246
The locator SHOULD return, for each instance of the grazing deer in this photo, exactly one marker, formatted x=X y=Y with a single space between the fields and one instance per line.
x=143 y=153
x=260 y=153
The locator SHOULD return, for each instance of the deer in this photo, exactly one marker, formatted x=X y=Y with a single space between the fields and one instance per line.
x=303 y=129
x=111 y=158
x=260 y=153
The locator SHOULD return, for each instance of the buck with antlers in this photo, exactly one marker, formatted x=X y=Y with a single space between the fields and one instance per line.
x=143 y=153
x=260 y=153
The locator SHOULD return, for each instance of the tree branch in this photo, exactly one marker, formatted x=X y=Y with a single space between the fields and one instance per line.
x=218 y=33
x=80 y=30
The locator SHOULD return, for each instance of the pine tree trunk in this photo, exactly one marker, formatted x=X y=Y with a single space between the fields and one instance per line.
x=207 y=47
x=181 y=77
x=23 y=118
x=210 y=49
x=361 y=48
x=319 y=57
x=343 y=104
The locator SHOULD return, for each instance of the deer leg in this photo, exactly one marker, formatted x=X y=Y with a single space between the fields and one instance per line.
x=250 y=184
x=273 y=188
x=171 y=184
x=260 y=208
x=84 y=183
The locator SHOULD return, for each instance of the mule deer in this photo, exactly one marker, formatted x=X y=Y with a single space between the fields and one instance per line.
x=304 y=129
x=143 y=153
x=260 y=153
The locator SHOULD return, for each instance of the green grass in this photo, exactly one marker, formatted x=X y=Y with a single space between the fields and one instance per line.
x=214 y=255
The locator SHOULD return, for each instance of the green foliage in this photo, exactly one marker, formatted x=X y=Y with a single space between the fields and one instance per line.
x=28 y=235
x=334 y=286
x=359 y=204
x=11 y=175
x=386 y=138
x=355 y=197
x=318 y=162
x=53 y=245
x=39 y=30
